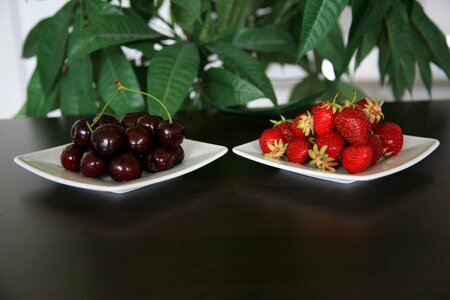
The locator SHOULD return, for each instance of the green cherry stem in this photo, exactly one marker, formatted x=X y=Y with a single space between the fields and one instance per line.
x=121 y=87
x=91 y=126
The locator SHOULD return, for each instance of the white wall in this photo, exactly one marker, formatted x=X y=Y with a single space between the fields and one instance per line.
x=17 y=17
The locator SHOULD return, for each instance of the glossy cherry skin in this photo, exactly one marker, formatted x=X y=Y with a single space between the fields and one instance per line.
x=92 y=164
x=177 y=154
x=170 y=134
x=125 y=167
x=108 y=139
x=106 y=119
x=149 y=122
x=138 y=139
x=129 y=119
x=157 y=160
x=80 y=132
x=70 y=157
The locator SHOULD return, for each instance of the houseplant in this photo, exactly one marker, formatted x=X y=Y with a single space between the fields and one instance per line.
x=213 y=53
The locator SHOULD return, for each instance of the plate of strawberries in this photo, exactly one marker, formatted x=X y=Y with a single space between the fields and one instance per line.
x=339 y=143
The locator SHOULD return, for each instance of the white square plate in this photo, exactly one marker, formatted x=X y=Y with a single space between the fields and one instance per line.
x=414 y=150
x=46 y=164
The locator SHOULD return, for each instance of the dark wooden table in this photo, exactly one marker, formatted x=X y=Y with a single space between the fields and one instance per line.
x=234 y=229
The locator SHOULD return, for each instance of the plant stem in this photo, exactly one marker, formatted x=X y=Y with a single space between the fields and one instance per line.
x=121 y=87
x=90 y=126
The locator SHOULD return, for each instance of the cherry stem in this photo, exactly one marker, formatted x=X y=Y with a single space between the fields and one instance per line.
x=121 y=87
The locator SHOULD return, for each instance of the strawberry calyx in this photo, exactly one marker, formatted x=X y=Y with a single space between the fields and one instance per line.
x=278 y=122
x=321 y=160
x=277 y=149
x=306 y=123
x=373 y=109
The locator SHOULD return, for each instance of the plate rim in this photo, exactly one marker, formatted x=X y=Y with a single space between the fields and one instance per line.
x=335 y=177
x=119 y=187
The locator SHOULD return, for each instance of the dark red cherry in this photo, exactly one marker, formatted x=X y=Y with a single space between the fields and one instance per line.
x=157 y=160
x=125 y=167
x=106 y=119
x=138 y=139
x=80 y=132
x=71 y=157
x=108 y=139
x=150 y=121
x=177 y=154
x=170 y=134
x=92 y=164
x=129 y=119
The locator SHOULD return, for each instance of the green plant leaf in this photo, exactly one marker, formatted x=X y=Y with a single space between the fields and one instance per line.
x=367 y=43
x=38 y=104
x=31 y=44
x=361 y=25
x=432 y=37
x=308 y=86
x=52 y=46
x=113 y=65
x=108 y=31
x=97 y=8
x=170 y=76
x=186 y=13
x=225 y=89
x=77 y=93
x=332 y=47
x=264 y=39
x=144 y=8
x=402 y=59
x=319 y=17
x=231 y=14
x=245 y=65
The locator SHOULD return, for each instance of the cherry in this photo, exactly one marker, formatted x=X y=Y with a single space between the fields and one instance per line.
x=92 y=165
x=106 y=119
x=80 y=132
x=170 y=134
x=138 y=139
x=71 y=157
x=149 y=122
x=177 y=154
x=157 y=160
x=125 y=167
x=129 y=119
x=108 y=139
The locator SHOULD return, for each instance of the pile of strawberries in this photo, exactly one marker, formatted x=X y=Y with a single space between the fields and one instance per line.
x=353 y=135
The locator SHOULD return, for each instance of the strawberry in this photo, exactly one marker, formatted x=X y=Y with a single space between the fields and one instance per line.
x=321 y=160
x=372 y=109
x=353 y=124
x=297 y=150
x=284 y=126
x=303 y=125
x=324 y=113
x=272 y=143
x=392 y=137
x=356 y=158
x=377 y=148
x=334 y=141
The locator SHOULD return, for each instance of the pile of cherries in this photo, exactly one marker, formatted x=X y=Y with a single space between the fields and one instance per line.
x=124 y=148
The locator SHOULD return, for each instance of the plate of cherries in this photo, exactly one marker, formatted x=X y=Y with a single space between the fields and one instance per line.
x=121 y=154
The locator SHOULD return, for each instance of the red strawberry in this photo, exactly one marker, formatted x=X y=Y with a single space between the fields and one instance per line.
x=377 y=148
x=392 y=137
x=372 y=109
x=334 y=141
x=303 y=125
x=354 y=125
x=321 y=160
x=297 y=150
x=284 y=126
x=356 y=158
x=324 y=113
x=272 y=143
